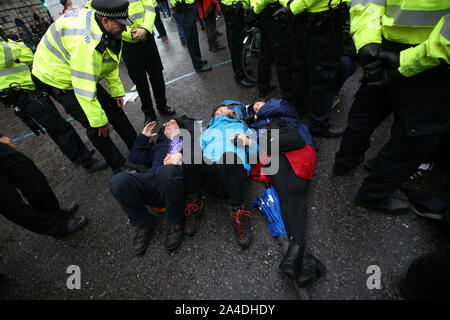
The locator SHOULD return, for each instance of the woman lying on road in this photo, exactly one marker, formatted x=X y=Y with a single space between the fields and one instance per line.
x=296 y=167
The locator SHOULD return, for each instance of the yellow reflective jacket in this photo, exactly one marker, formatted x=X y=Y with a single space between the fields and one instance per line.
x=299 y=6
x=67 y=58
x=260 y=5
x=142 y=13
x=425 y=24
x=15 y=59
x=174 y=2
x=245 y=3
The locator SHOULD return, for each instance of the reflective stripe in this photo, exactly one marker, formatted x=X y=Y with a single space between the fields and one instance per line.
x=367 y=2
x=18 y=69
x=84 y=75
x=137 y=15
x=8 y=55
x=57 y=37
x=79 y=32
x=445 y=31
x=149 y=8
x=85 y=93
x=53 y=50
x=415 y=18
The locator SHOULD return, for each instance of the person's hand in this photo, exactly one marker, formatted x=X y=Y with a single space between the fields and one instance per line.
x=8 y=142
x=119 y=101
x=173 y=159
x=241 y=139
x=283 y=15
x=104 y=131
x=147 y=131
x=383 y=71
x=369 y=53
x=139 y=34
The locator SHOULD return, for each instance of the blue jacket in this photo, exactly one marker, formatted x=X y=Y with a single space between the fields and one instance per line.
x=216 y=140
x=145 y=152
x=275 y=108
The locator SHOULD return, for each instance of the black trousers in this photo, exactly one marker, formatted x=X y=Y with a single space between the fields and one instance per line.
x=159 y=24
x=116 y=117
x=163 y=188
x=235 y=27
x=41 y=108
x=43 y=214
x=143 y=59
x=291 y=191
x=276 y=45
x=413 y=136
x=221 y=179
x=186 y=19
x=211 y=30
x=316 y=59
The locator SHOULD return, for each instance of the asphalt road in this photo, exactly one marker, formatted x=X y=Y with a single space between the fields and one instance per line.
x=211 y=265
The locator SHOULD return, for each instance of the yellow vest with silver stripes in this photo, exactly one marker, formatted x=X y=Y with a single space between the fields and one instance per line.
x=15 y=58
x=66 y=58
x=142 y=14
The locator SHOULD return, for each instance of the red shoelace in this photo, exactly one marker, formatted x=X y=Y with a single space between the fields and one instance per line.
x=190 y=210
x=236 y=215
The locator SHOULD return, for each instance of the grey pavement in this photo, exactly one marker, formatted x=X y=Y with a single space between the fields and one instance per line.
x=346 y=238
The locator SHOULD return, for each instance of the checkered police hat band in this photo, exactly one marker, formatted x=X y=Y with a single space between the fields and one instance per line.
x=114 y=15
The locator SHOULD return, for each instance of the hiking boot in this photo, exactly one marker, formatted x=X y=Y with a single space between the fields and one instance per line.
x=174 y=235
x=143 y=236
x=241 y=219
x=192 y=211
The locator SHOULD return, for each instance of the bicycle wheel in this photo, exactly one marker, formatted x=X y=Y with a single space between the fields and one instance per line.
x=249 y=56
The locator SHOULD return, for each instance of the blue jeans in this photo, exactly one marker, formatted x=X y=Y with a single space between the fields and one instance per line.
x=161 y=188
x=179 y=28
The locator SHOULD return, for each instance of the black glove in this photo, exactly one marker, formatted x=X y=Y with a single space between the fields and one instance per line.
x=250 y=16
x=383 y=71
x=369 y=53
x=283 y=14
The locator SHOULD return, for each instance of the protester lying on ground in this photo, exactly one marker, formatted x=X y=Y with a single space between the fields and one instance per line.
x=222 y=170
x=43 y=214
x=161 y=186
x=297 y=162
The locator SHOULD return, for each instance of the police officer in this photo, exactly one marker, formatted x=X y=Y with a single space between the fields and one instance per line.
x=233 y=13
x=42 y=214
x=317 y=51
x=184 y=10
x=80 y=49
x=17 y=89
x=141 y=57
x=405 y=53
x=276 y=44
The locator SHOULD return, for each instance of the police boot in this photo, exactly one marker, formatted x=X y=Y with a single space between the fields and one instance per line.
x=174 y=235
x=311 y=268
x=143 y=236
x=291 y=263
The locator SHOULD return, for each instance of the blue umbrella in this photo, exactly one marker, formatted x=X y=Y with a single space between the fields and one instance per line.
x=269 y=205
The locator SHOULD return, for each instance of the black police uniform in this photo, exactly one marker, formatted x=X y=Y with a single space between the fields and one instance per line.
x=317 y=51
x=276 y=44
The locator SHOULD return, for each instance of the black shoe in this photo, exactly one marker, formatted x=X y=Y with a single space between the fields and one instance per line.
x=166 y=110
x=204 y=62
x=79 y=162
x=96 y=165
x=149 y=119
x=342 y=170
x=217 y=48
x=265 y=92
x=174 y=236
x=245 y=83
x=311 y=268
x=143 y=236
x=291 y=263
x=332 y=132
x=70 y=210
x=242 y=229
x=192 y=212
x=389 y=205
x=123 y=169
x=204 y=68
x=72 y=225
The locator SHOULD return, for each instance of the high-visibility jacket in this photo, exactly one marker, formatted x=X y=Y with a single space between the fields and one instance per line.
x=299 y=6
x=15 y=59
x=67 y=58
x=174 y=2
x=245 y=3
x=423 y=24
x=260 y=5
